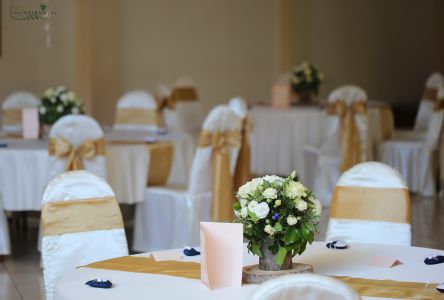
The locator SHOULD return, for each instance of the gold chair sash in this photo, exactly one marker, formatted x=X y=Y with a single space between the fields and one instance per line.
x=161 y=160
x=431 y=94
x=374 y=204
x=222 y=187
x=349 y=134
x=140 y=116
x=72 y=216
x=242 y=173
x=89 y=149
x=387 y=123
x=191 y=270
x=12 y=116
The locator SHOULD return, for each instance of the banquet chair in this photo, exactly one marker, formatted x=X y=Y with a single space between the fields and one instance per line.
x=344 y=143
x=76 y=142
x=82 y=223
x=5 y=247
x=183 y=111
x=242 y=173
x=137 y=110
x=12 y=110
x=304 y=286
x=371 y=204
x=416 y=158
x=170 y=215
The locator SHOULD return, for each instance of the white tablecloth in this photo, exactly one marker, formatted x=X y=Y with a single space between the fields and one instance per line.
x=24 y=166
x=279 y=135
x=351 y=262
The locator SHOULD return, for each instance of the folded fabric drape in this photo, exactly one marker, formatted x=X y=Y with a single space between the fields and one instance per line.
x=161 y=160
x=365 y=203
x=222 y=187
x=142 y=116
x=242 y=173
x=12 y=116
x=431 y=94
x=349 y=134
x=191 y=270
x=81 y=215
x=87 y=150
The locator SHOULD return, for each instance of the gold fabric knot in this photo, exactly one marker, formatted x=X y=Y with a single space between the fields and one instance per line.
x=182 y=94
x=349 y=134
x=220 y=141
x=87 y=150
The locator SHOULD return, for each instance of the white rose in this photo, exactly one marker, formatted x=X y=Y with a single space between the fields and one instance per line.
x=243 y=202
x=48 y=93
x=245 y=190
x=318 y=207
x=71 y=96
x=261 y=210
x=273 y=179
x=75 y=110
x=256 y=183
x=301 y=205
x=252 y=205
x=295 y=190
x=59 y=108
x=292 y=220
x=270 y=193
x=244 y=212
x=42 y=110
x=269 y=229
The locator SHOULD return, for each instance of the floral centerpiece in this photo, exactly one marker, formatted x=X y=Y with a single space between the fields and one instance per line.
x=305 y=80
x=57 y=103
x=280 y=216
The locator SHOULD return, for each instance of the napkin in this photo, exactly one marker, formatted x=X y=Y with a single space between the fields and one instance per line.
x=384 y=262
x=166 y=255
x=30 y=119
x=222 y=251
x=280 y=95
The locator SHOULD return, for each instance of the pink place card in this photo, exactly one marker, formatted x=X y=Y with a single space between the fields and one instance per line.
x=174 y=254
x=384 y=262
x=281 y=95
x=30 y=119
x=222 y=251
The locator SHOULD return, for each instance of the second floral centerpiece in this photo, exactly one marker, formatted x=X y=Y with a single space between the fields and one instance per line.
x=280 y=216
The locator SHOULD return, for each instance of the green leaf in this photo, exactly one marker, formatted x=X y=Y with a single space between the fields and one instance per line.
x=253 y=216
x=291 y=235
x=280 y=256
x=278 y=227
x=302 y=249
x=256 y=249
x=305 y=232
x=237 y=205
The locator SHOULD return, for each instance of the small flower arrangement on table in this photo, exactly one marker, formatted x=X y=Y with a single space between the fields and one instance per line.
x=305 y=80
x=280 y=216
x=57 y=103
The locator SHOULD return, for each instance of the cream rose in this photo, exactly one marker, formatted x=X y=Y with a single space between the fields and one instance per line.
x=261 y=210
x=295 y=190
x=269 y=229
x=301 y=205
x=292 y=220
x=270 y=193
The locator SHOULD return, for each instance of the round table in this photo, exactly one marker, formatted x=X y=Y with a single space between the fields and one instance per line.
x=352 y=262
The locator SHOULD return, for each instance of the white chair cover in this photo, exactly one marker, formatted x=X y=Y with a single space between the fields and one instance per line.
x=63 y=253
x=414 y=158
x=170 y=216
x=426 y=107
x=5 y=247
x=76 y=129
x=136 y=99
x=239 y=106
x=304 y=286
x=371 y=175
x=322 y=164
x=18 y=100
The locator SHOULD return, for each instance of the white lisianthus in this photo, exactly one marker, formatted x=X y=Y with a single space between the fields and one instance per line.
x=293 y=174
x=292 y=220
x=71 y=95
x=252 y=205
x=301 y=205
x=243 y=202
x=274 y=179
x=270 y=193
x=48 y=93
x=42 y=110
x=269 y=229
x=60 y=88
x=277 y=203
x=295 y=190
x=64 y=98
x=261 y=210
x=245 y=190
x=318 y=207
x=52 y=99
x=244 y=212
x=75 y=110
x=59 y=108
x=256 y=183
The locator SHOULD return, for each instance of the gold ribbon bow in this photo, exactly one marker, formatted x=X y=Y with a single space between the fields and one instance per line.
x=349 y=134
x=182 y=94
x=89 y=149
x=242 y=172
x=12 y=116
x=431 y=94
x=222 y=188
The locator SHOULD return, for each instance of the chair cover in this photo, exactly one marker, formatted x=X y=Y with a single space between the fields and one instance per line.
x=371 y=204
x=137 y=110
x=434 y=91
x=304 y=286
x=170 y=216
x=323 y=164
x=5 y=247
x=72 y=239
x=76 y=130
x=416 y=158
x=13 y=104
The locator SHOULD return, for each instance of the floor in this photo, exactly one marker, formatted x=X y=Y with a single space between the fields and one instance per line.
x=21 y=275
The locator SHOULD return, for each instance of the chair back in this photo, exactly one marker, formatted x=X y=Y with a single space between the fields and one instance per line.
x=371 y=204
x=76 y=142
x=81 y=224
x=239 y=106
x=12 y=110
x=430 y=101
x=304 y=286
x=346 y=133
x=137 y=110
x=434 y=130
